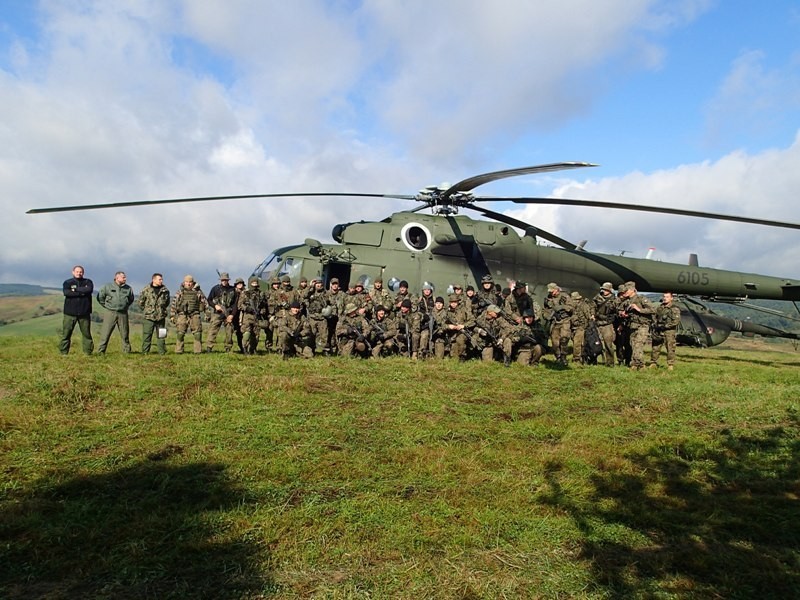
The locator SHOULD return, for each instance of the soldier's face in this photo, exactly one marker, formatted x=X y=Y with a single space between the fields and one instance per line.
x=158 y=280
x=77 y=272
x=120 y=278
x=294 y=311
x=529 y=320
x=439 y=305
x=667 y=298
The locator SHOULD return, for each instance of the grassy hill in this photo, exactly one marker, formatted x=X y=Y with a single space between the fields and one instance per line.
x=224 y=476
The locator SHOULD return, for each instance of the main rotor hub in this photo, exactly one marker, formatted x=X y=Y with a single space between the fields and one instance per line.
x=441 y=203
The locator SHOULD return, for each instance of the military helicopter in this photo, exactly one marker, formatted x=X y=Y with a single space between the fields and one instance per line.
x=445 y=248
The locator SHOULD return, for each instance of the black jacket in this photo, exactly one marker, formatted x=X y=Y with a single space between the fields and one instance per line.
x=78 y=297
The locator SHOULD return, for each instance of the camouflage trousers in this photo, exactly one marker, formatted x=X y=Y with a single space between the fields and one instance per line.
x=607 y=335
x=219 y=321
x=505 y=346
x=184 y=323
x=319 y=329
x=529 y=355
x=578 y=337
x=666 y=338
x=638 y=340
x=250 y=330
x=560 y=334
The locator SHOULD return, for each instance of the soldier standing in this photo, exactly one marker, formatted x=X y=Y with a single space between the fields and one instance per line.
x=621 y=329
x=253 y=310
x=237 y=323
x=487 y=294
x=318 y=310
x=408 y=329
x=116 y=297
x=402 y=294
x=379 y=296
x=425 y=307
x=665 y=330
x=437 y=340
x=188 y=306
x=222 y=300
x=77 y=311
x=639 y=311
x=337 y=300
x=557 y=310
x=519 y=301
x=154 y=302
x=582 y=315
x=605 y=311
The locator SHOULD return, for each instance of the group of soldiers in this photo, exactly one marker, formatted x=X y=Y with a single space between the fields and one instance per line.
x=489 y=323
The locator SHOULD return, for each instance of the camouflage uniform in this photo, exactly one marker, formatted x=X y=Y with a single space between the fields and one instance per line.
x=316 y=308
x=622 y=331
x=379 y=296
x=492 y=331
x=487 y=295
x=529 y=349
x=186 y=312
x=639 y=321
x=408 y=329
x=279 y=301
x=665 y=331
x=425 y=307
x=337 y=300
x=253 y=312
x=154 y=302
x=518 y=302
x=383 y=333
x=437 y=337
x=582 y=315
x=605 y=311
x=458 y=326
x=352 y=333
x=558 y=311
x=295 y=333
x=223 y=296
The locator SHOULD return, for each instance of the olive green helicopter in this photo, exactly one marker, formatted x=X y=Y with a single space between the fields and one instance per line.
x=445 y=248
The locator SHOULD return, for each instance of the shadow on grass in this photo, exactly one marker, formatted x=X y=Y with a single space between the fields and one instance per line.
x=696 y=521
x=147 y=531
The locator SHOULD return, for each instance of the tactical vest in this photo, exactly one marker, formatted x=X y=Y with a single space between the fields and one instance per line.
x=190 y=302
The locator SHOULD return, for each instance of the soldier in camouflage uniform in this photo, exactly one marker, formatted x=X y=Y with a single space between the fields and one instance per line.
x=530 y=350
x=318 y=309
x=352 y=333
x=463 y=300
x=436 y=338
x=279 y=302
x=273 y=300
x=383 y=333
x=494 y=332
x=458 y=326
x=582 y=315
x=639 y=311
x=487 y=295
x=408 y=322
x=295 y=333
x=519 y=301
x=379 y=296
x=337 y=299
x=402 y=294
x=253 y=310
x=425 y=307
x=222 y=306
x=605 y=312
x=188 y=306
x=154 y=302
x=665 y=330
x=558 y=311
x=239 y=286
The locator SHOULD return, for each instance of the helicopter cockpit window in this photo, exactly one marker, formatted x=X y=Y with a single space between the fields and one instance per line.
x=267 y=266
x=416 y=237
x=292 y=268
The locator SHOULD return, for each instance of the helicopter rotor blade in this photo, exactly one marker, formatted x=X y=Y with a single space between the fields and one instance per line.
x=641 y=208
x=55 y=209
x=550 y=237
x=472 y=182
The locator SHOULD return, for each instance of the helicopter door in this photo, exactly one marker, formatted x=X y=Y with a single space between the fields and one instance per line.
x=340 y=271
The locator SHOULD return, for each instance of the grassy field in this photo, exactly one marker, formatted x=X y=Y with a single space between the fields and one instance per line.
x=223 y=476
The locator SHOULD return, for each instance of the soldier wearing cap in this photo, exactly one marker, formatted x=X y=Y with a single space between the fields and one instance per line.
x=337 y=299
x=639 y=312
x=408 y=322
x=318 y=310
x=352 y=333
x=154 y=302
x=487 y=294
x=582 y=315
x=558 y=310
x=529 y=349
x=605 y=310
x=458 y=290
x=187 y=307
x=253 y=312
x=402 y=294
x=360 y=298
x=239 y=286
x=436 y=339
x=295 y=333
x=383 y=332
x=519 y=301
x=222 y=302
x=622 y=332
x=458 y=325
x=494 y=332
x=665 y=330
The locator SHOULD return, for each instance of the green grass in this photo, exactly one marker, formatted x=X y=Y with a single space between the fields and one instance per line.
x=249 y=477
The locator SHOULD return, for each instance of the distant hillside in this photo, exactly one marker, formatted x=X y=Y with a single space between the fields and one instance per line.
x=24 y=289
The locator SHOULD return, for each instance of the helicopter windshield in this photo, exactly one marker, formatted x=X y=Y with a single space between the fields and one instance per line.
x=275 y=266
x=268 y=267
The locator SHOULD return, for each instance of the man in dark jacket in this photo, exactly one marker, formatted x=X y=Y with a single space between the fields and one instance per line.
x=77 y=310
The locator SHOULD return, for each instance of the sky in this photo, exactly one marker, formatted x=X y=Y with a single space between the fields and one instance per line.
x=683 y=103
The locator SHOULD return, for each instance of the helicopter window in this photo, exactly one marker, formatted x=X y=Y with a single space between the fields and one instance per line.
x=415 y=236
x=267 y=266
x=504 y=230
x=291 y=267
